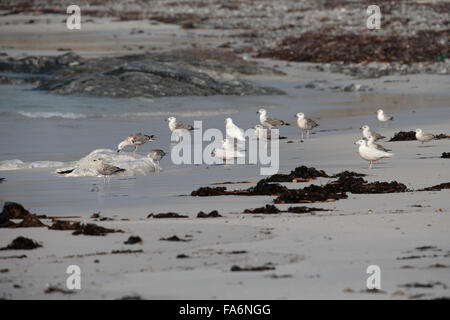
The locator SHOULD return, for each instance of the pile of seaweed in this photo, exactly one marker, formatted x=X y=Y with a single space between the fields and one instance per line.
x=411 y=135
x=335 y=190
x=262 y=188
x=321 y=46
x=12 y=210
x=438 y=187
x=299 y=174
x=332 y=191
x=271 y=209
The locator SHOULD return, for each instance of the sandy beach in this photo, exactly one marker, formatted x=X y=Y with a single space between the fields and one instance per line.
x=315 y=255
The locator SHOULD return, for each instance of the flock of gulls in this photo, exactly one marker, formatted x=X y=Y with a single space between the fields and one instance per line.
x=368 y=149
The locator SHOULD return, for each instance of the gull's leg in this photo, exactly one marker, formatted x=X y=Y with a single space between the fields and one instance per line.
x=370 y=166
x=302 y=133
x=104 y=179
x=135 y=149
x=307 y=133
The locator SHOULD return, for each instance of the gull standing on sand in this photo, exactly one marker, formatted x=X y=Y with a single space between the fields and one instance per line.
x=367 y=133
x=155 y=157
x=233 y=131
x=135 y=140
x=178 y=127
x=107 y=170
x=269 y=122
x=228 y=152
x=371 y=143
x=265 y=134
x=424 y=137
x=383 y=117
x=370 y=153
x=305 y=123
x=174 y=125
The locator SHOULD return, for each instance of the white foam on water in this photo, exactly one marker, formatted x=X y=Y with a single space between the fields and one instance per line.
x=17 y=164
x=50 y=115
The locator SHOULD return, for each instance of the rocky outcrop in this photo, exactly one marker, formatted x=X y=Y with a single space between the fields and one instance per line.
x=199 y=72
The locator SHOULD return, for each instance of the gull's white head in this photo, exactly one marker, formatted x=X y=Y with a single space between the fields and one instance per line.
x=258 y=127
x=370 y=138
x=262 y=112
x=360 y=142
x=365 y=127
x=124 y=143
x=419 y=131
x=380 y=111
x=228 y=121
x=300 y=115
x=171 y=119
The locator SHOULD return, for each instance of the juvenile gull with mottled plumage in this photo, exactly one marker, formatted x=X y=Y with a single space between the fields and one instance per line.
x=135 y=140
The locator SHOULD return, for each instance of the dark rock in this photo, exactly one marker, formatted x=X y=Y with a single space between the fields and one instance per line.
x=182 y=256
x=133 y=240
x=212 y=214
x=177 y=73
x=22 y=243
x=446 y=155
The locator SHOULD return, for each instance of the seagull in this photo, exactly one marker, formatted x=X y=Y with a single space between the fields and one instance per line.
x=135 y=140
x=424 y=137
x=370 y=153
x=371 y=143
x=178 y=126
x=233 y=131
x=383 y=117
x=228 y=152
x=265 y=134
x=269 y=122
x=305 y=123
x=367 y=133
x=155 y=157
x=107 y=170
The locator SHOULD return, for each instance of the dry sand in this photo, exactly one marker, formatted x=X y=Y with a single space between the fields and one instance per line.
x=316 y=256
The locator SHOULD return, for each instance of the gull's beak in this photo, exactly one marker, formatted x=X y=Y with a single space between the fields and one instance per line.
x=360 y=128
x=118 y=150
